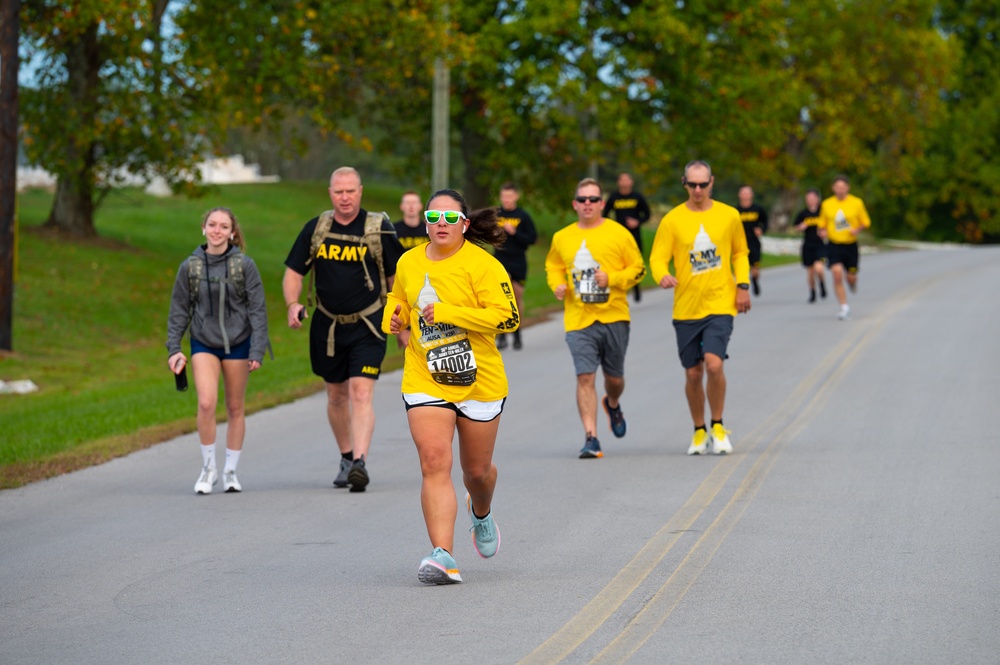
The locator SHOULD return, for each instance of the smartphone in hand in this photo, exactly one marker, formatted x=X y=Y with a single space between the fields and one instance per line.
x=181 y=379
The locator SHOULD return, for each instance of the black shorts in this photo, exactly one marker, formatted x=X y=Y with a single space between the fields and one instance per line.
x=356 y=352
x=700 y=336
x=811 y=253
x=516 y=266
x=846 y=255
x=754 y=252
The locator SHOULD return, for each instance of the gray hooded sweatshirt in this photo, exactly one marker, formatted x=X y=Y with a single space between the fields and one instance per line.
x=243 y=317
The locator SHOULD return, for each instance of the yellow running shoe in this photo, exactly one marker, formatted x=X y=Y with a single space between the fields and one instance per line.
x=699 y=442
x=720 y=440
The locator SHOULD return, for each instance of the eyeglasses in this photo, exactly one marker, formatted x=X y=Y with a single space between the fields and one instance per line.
x=450 y=216
x=588 y=199
x=698 y=185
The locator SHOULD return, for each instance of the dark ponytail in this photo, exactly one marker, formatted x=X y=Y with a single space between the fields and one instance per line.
x=483 y=226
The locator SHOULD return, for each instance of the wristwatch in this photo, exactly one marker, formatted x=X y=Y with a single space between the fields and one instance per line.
x=744 y=286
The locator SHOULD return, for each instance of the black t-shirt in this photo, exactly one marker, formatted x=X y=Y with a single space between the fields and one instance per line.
x=753 y=217
x=524 y=236
x=411 y=236
x=811 y=236
x=627 y=205
x=340 y=277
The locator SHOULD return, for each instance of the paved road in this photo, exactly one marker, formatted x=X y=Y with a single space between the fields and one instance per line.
x=857 y=520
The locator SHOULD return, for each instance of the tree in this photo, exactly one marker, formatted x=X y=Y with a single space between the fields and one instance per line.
x=9 y=62
x=956 y=194
x=336 y=65
x=112 y=98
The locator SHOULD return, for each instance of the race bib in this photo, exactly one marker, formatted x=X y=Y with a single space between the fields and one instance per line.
x=587 y=288
x=840 y=221
x=453 y=364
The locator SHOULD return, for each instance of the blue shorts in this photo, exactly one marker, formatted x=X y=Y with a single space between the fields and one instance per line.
x=239 y=351
x=700 y=336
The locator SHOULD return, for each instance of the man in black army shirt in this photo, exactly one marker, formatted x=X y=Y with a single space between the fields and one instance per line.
x=346 y=346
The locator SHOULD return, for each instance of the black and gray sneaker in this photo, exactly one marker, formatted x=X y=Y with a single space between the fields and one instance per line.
x=591 y=449
x=345 y=468
x=502 y=341
x=358 y=476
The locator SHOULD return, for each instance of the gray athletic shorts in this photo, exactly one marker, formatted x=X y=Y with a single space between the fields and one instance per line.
x=701 y=336
x=601 y=344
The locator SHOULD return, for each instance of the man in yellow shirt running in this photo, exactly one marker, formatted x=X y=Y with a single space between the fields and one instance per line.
x=705 y=240
x=842 y=217
x=590 y=266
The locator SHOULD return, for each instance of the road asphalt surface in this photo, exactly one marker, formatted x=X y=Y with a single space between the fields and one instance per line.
x=857 y=520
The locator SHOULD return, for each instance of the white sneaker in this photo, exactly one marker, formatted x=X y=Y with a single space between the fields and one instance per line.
x=699 y=442
x=720 y=440
x=230 y=482
x=844 y=313
x=207 y=479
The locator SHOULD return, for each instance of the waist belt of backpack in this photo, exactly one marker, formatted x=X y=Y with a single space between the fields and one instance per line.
x=350 y=318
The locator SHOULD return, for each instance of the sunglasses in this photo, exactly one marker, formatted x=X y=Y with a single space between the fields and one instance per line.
x=450 y=216
x=698 y=185
x=588 y=199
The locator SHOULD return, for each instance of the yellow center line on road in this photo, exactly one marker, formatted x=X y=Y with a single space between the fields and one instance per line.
x=617 y=591
x=817 y=384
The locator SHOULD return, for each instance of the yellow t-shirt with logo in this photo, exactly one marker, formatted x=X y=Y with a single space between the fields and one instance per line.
x=707 y=248
x=456 y=358
x=839 y=217
x=575 y=254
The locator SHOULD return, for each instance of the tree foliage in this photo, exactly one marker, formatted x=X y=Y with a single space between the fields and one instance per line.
x=779 y=94
x=112 y=97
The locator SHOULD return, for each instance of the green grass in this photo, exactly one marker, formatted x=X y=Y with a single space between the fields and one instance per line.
x=90 y=320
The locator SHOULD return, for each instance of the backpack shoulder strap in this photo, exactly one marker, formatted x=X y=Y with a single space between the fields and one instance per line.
x=196 y=274
x=319 y=233
x=236 y=275
x=322 y=229
x=373 y=239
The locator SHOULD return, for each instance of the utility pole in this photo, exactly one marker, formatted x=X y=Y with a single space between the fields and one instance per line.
x=440 y=119
x=10 y=25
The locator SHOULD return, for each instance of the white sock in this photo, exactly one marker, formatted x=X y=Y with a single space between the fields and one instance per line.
x=208 y=455
x=232 y=459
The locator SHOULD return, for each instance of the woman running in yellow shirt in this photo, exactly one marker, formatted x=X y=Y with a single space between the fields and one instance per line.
x=455 y=297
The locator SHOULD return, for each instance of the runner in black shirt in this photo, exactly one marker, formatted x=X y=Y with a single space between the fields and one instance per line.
x=754 y=220
x=411 y=230
x=813 y=247
x=631 y=211
x=346 y=345
x=513 y=254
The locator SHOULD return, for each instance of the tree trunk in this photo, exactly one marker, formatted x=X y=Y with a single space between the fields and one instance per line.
x=9 y=64
x=784 y=209
x=74 y=203
x=477 y=194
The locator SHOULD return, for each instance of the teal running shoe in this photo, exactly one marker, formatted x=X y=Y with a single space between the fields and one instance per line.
x=439 y=568
x=485 y=534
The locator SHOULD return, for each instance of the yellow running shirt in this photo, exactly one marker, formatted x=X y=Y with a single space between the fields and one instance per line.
x=456 y=358
x=573 y=258
x=839 y=217
x=706 y=248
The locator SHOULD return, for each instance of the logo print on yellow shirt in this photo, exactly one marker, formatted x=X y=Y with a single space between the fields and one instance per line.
x=704 y=256
x=840 y=221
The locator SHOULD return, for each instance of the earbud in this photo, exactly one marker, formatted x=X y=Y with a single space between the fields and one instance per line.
x=464 y=229
x=232 y=236
x=203 y=232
